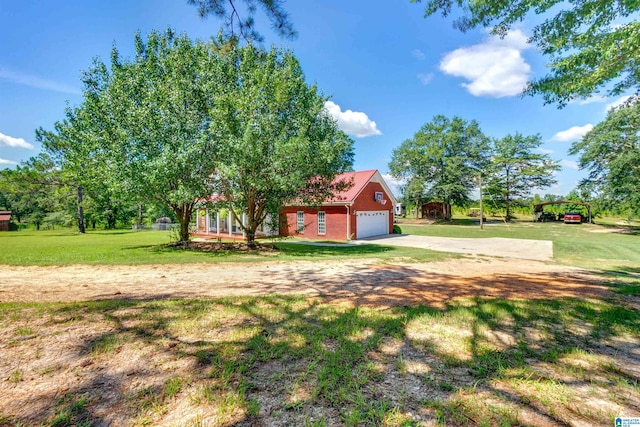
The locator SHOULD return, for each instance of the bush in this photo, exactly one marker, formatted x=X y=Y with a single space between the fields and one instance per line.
x=397 y=229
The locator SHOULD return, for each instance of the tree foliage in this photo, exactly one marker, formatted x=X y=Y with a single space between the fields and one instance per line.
x=611 y=154
x=278 y=139
x=516 y=169
x=594 y=45
x=238 y=16
x=33 y=189
x=183 y=120
x=446 y=154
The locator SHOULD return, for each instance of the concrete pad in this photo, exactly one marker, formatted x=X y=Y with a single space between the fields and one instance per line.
x=539 y=250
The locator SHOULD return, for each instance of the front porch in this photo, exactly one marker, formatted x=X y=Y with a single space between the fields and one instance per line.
x=221 y=224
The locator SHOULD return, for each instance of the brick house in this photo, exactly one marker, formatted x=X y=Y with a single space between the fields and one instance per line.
x=364 y=210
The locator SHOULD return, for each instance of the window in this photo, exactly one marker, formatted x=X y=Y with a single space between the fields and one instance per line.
x=322 y=223
x=300 y=222
x=378 y=196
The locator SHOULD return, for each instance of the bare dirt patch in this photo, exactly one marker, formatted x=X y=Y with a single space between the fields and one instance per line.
x=363 y=282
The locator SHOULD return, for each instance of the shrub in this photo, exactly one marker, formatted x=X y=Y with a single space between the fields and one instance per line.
x=397 y=229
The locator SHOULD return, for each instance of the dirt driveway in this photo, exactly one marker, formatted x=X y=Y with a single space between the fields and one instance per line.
x=363 y=282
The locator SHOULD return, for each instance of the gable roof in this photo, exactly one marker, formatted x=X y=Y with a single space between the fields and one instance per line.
x=360 y=180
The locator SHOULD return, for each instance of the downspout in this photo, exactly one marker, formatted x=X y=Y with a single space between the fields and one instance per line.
x=348 y=223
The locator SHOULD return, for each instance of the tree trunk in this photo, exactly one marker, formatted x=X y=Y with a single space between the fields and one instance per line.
x=183 y=212
x=139 y=215
x=80 y=211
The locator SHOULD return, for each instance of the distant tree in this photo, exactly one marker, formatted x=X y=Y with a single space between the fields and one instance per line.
x=516 y=169
x=611 y=154
x=414 y=192
x=32 y=189
x=593 y=45
x=238 y=16
x=446 y=154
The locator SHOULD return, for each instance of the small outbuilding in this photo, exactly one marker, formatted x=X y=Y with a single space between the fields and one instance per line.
x=436 y=210
x=5 y=217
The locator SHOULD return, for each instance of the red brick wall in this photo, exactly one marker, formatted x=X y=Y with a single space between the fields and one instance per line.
x=335 y=218
x=366 y=202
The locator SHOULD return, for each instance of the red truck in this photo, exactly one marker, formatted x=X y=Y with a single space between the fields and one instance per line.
x=572 y=218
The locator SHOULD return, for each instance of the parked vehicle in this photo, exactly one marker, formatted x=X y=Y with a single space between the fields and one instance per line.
x=572 y=218
x=546 y=217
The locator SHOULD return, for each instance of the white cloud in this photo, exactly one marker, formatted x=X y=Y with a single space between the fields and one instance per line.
x=569 y=164
x=425 y=79
x=37 y=82
x=574 y=133
x=618 y=102
x=8 y=141
x=7 y=162
x=418 y=54
x=353 y=123
x=494 y=68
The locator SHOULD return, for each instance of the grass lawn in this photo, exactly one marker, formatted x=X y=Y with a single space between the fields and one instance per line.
x=297 y=361
x=581 y=245
x=66 y=247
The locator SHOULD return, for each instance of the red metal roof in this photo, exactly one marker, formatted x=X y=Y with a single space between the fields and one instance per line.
x=359 y=179
x=5 y=215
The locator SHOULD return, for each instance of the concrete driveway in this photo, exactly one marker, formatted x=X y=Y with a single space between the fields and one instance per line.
x=539 y=250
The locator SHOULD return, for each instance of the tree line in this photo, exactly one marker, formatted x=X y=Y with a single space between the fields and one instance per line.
x=448 y=158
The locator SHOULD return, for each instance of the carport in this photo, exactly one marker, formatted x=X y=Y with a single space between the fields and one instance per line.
x=538 y=209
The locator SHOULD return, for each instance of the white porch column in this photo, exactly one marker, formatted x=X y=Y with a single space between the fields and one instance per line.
x=218 y=222
x=230 y=220
x=244 y=224
x=206 y=225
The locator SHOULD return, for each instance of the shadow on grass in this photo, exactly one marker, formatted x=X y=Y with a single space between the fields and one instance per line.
x=287 y=360
x=293 y=250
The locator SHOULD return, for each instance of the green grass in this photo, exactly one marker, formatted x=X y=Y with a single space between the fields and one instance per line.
x=474 y=362
x=581 y=245
x=150 y=247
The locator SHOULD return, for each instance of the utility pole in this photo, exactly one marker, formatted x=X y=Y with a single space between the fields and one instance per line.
x=481 y=211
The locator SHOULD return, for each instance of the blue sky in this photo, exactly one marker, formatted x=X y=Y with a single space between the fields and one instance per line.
x=387 y=69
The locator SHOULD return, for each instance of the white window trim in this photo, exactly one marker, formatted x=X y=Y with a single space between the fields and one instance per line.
x=300 y=224
x=324 y=222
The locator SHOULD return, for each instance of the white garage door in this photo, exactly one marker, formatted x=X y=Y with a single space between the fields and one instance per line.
x=372 y=223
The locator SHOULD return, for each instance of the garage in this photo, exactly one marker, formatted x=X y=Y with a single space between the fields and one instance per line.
x=372 y=223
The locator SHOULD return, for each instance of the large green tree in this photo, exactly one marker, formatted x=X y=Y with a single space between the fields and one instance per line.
x=593 y=45
x=142 y=129
x=279 y=144
x=446 y=154
x=611 y=154
x=516 y=169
